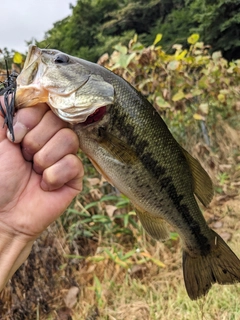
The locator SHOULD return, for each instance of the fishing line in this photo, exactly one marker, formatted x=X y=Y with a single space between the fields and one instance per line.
x=9 y=93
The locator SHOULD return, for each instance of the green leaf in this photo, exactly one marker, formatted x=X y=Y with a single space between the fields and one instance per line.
x=197 y=116
x=90 y=205
x=157 y=39
x=158 y=262
x=135 y=38
x=130 y=58
x=196 y=92
x=96 y=258
x=124 y=60
x=97 y=284
x=181 y=55
x=162 y=103
x=123 y=202
x=109 y=198
x=178 y=96
x=204 y=107
x=120 y=48
x=137 y=46
x=86 y=233
x=128 y=254
x=193 y=38
x=112 y=257
x=125 y=220
x=174 y=236
x=73 y=256
x=101 y=218
x=221 y=97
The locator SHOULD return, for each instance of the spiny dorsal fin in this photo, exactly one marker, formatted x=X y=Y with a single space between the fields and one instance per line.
x=203 y=187
x=155 y=226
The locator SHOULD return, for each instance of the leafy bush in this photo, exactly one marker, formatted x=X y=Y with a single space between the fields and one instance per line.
x=190 y=88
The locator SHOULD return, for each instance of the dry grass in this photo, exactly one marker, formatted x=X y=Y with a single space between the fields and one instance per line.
x=128 y=276
x=159 y=293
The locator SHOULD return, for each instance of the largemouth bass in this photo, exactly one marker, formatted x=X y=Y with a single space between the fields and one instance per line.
x=131 y=146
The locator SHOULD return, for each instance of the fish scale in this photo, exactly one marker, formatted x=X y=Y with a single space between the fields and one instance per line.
x=129 y=143
x=149 y=154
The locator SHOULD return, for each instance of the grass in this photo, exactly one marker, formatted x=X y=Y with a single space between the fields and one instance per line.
x=116 y=281
x=154 y=293
x=116 y=271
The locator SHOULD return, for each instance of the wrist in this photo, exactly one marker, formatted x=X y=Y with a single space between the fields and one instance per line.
x=14 y=250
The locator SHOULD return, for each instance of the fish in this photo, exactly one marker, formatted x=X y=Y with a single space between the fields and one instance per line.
x=131 y=146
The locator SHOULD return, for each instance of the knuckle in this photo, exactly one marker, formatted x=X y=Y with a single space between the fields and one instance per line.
x=69 y=140
x=30 y=145
x=50 y=178
x=40 y=162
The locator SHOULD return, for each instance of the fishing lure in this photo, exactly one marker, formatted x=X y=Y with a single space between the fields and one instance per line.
x=9 y=92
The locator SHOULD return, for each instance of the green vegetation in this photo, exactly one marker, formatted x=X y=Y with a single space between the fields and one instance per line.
x=190 y=88
x=218 y=23
x=95 y=26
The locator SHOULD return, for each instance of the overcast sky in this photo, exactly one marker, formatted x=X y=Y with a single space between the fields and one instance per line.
x=22 y=20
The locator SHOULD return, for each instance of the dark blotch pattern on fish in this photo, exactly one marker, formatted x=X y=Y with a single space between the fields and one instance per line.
x=186 y=216
x=127 y=131
x=165 y=182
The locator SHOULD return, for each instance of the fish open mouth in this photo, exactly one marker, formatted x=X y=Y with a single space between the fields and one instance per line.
x=96 y=116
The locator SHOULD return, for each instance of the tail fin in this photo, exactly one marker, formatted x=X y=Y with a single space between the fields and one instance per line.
x=221 y=265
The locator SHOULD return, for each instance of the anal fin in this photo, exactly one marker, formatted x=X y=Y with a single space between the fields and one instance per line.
x=155 y=226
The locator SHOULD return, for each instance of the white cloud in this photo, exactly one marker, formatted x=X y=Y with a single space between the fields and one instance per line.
x=27 y=19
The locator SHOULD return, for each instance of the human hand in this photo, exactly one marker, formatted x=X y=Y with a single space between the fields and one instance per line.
x=40 y=174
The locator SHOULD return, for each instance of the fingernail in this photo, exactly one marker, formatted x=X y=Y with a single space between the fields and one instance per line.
x=19 y=132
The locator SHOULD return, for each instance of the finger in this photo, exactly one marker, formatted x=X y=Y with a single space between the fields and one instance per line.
x=35 y=139
x=67 y=171
x=26 y=119
x=64 y=142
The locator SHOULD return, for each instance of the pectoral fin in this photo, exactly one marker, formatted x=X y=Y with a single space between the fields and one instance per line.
x=120 y=150
x=155 y=226
x=203 y=187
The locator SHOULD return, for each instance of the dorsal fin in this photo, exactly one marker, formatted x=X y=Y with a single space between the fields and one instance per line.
x=203 y=187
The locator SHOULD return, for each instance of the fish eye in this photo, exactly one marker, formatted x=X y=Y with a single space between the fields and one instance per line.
x=61 y=58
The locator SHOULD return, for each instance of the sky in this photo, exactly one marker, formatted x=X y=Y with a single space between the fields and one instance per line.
x=23 y=20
